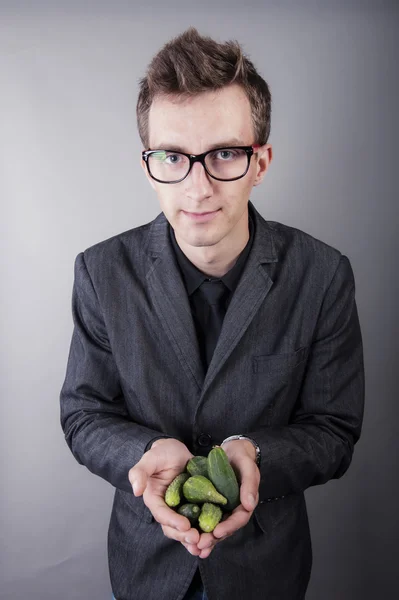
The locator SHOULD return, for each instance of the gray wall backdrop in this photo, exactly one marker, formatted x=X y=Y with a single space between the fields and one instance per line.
x=70 y=177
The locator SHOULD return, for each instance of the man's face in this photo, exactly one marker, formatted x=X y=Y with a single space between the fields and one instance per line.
x=195 y=125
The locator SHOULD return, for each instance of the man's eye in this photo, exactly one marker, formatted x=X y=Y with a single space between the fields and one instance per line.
x=224 y=154
x=172 y=159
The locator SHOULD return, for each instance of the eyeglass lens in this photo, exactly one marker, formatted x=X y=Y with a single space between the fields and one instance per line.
x=223 y=164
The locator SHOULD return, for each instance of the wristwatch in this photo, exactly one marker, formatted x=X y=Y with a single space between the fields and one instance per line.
x=243 y=437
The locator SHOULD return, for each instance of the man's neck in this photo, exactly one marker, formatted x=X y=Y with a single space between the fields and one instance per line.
x=215 y=261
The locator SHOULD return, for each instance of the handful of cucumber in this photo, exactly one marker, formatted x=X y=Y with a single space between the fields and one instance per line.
x=204 y=490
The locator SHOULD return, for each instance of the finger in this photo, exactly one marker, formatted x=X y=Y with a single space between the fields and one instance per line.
x=166 y=516
x=247 y=471
x=188 y=538
x=250 y=479
x=144 y=468
x=192 y=548
x=206 y=540
x=205 y=553
x=239 y=518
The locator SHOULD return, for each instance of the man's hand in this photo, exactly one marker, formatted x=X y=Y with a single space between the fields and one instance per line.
x=150 y=478
x=241 y=455
x=166 y=459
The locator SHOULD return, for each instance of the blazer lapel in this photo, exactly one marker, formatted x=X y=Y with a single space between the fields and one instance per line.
x=252 y=289
x=171 y=302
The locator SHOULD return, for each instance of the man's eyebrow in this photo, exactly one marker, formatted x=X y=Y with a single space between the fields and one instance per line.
x=178 y=148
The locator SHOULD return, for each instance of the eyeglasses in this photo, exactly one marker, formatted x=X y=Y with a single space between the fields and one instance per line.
x=223 y=164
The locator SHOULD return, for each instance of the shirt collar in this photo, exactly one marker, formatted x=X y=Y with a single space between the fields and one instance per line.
x=193 y=277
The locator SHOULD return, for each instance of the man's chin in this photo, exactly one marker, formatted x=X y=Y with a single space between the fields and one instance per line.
x=197 y=241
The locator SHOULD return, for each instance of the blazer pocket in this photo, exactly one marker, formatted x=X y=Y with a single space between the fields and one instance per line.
x=270 y=515
x=279 y=364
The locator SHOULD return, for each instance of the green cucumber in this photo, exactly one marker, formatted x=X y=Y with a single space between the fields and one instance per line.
x=199 y=489
x=198 y=465
x=191 y=511
x=210 y=516
x=223 y=477
x=174 y=490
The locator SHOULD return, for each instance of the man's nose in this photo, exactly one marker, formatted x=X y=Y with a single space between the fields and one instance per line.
x=198 y=182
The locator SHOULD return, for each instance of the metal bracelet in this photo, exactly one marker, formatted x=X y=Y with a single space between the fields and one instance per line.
x=243 y=437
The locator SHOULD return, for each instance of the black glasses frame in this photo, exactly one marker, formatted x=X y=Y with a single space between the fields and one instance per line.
x=250 y=150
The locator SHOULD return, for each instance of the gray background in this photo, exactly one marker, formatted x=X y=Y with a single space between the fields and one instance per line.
x=70 y=177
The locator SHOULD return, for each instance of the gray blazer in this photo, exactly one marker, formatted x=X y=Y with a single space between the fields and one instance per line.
x=287 y=371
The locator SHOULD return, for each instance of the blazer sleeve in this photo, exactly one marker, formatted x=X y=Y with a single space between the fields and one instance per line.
x=94 y=417
x=317 y=444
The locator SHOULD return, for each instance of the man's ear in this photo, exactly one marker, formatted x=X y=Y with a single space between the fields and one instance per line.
x=265 y=155
x=150 y=179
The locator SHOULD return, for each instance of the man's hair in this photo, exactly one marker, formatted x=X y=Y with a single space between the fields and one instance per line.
x=190 y=64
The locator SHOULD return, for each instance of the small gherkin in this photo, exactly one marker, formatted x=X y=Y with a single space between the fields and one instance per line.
x=198 y=465
x=191 y=511
x=174 y=490
x=210 y=516
x=199 y=489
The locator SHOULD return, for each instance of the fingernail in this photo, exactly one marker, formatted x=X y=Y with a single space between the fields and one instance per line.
x=135 y=487
x=251 y=500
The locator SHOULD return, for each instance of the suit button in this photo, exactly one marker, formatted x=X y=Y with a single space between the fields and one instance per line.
x=204 y=439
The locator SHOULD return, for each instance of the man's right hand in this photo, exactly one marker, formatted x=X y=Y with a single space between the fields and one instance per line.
x=150 y=478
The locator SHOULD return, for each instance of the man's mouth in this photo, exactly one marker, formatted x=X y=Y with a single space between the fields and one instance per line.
x=201 y=216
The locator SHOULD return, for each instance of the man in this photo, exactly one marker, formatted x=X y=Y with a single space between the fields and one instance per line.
x=205 y=324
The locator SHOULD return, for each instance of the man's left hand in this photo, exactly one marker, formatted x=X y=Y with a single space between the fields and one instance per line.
x=241 y=454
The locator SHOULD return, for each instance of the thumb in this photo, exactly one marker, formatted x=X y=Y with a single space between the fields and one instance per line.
x=249 y=487
x=138 y=479
x=139 y=474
